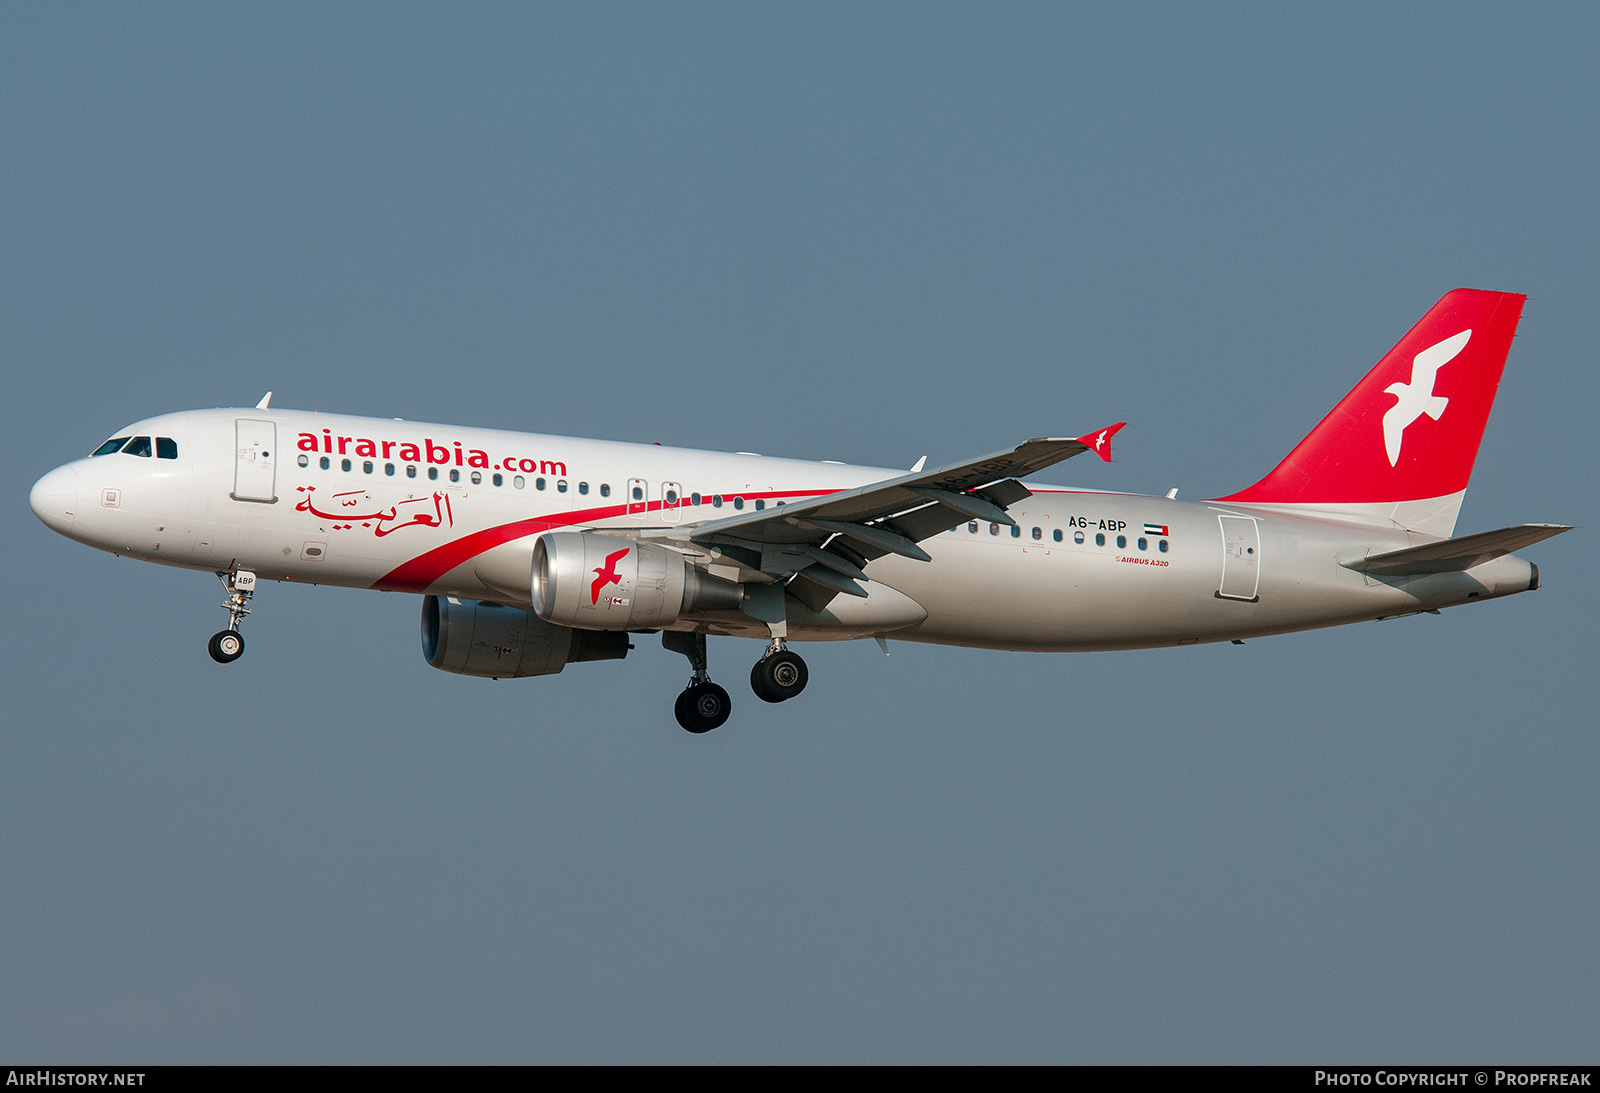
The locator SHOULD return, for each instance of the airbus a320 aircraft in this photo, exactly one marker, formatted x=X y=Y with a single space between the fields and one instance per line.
x=533 y=552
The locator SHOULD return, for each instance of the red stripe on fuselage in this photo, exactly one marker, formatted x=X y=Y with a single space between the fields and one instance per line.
x=417 y=574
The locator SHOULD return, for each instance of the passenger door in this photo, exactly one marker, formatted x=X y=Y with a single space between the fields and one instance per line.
x=255 y=461
x=1241 y=558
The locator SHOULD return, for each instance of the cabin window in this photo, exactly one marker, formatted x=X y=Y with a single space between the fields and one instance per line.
x=366 y=467
x=1122 y=541
x=605 y=489
x=972 y=527
x=1038 y=533
x=638 y=493
x=561 y=485
x=519 y=481
x=1162 y=546
x=455 y=475
x=1143 y=544
x=1099 y=538
x=672 y=497
x=738 y=502
x=1016 y=531
x=304 y=460
x=1056 y=534
x=994 y=529
x=716 y=500
x=113 y=445
x=388 y=469
x=498 y=480
x=538 y=483
x=411 y=470
x=583 y=489
x=477 y=478
x=344 y=464
x=760 y=504
x=166 y=448
x=694 y=499
x=324 y=462
x=1077 y=537
x=433 y=473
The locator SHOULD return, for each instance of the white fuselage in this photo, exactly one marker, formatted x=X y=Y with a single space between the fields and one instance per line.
x=449 y=510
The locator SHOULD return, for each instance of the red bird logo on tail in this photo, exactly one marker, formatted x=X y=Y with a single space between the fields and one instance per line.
x=606 y=574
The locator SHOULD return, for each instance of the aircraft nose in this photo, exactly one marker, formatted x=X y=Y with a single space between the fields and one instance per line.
x=54 y=499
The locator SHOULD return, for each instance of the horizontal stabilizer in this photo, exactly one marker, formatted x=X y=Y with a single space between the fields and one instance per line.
x=1455 y=555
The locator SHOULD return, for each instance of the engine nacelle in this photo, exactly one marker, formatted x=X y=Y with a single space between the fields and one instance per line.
x=489 y=639
x=599 y=583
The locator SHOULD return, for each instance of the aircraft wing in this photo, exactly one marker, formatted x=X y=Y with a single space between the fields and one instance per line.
x=828 y=539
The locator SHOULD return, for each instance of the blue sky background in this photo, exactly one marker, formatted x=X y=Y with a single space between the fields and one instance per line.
x=856 y=232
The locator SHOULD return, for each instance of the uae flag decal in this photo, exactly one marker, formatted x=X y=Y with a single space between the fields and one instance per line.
x=1156 y=529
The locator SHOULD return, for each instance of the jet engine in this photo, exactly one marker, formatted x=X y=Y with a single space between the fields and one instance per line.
x=489 y=639
x=599 y=583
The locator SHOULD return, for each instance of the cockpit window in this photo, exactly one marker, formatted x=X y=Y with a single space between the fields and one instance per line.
x=139 y=445
x=113 y=445
x=166 y=448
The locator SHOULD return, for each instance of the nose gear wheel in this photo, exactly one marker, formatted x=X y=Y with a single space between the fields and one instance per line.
x=226 y=646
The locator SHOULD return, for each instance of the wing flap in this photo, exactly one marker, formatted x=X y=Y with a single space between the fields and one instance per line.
x=870 y=535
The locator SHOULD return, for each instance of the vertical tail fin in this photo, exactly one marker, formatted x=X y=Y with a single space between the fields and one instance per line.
x=1401 y=445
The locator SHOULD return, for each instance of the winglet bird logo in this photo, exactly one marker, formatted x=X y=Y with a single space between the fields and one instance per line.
x=606 y=574
x=1412 y=400
x=1100 y=443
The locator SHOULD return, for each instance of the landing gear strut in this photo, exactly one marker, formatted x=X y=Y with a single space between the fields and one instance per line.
x=779 y=675
x=703 y=705
x=227 y=645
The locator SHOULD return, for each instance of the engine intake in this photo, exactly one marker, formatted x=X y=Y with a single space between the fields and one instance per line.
x=596 y=582
x=489 y=639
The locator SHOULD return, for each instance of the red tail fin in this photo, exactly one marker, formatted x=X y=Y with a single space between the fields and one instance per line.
x=1410 y=430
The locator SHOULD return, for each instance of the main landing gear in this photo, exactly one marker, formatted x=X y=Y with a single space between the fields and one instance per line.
x=226 y=646
x=777 y=677
x=703 y=705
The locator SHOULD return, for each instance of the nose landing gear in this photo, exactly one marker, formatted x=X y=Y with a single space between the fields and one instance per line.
x=227 y=645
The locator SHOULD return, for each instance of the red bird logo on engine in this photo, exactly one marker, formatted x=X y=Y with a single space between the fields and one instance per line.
x=606 y=574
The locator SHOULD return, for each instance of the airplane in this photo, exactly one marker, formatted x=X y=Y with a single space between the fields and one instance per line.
x=532 y=552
